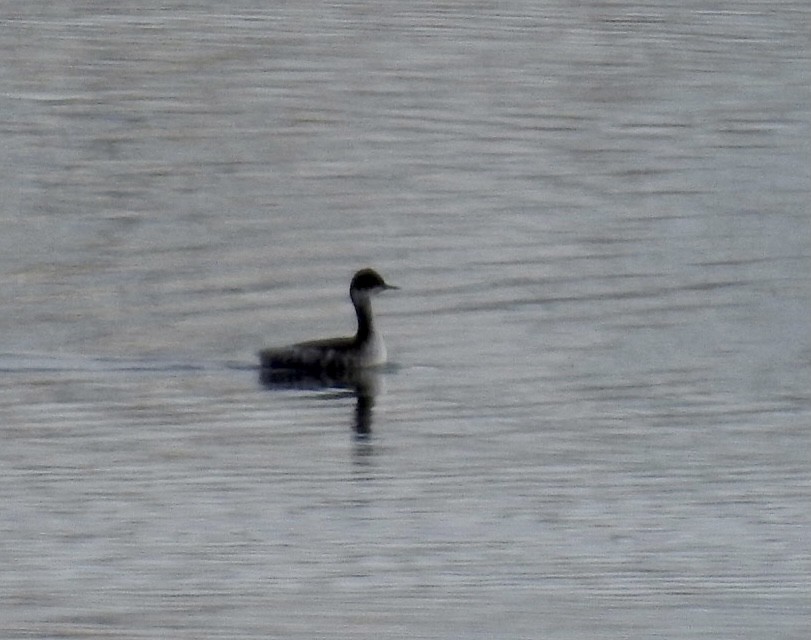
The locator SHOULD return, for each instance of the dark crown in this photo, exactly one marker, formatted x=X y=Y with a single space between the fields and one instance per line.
x=367 y=279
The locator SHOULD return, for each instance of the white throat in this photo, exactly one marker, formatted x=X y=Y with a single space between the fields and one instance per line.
x=373 y=352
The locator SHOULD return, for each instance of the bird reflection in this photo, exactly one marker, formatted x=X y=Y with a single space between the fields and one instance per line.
x=362 y=384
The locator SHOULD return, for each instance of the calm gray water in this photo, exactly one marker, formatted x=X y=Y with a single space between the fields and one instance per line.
x=597 y=421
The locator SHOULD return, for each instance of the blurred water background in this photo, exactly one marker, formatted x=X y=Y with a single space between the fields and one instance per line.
x=597 y=418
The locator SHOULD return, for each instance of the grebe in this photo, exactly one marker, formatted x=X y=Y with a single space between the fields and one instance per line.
x=338 y=355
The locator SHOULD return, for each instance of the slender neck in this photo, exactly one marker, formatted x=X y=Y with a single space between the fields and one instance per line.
x=363 y=309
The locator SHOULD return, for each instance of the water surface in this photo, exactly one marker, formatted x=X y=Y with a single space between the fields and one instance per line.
x=596 y=422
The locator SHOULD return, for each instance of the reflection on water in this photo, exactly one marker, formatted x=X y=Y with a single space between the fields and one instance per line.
x=361 y=384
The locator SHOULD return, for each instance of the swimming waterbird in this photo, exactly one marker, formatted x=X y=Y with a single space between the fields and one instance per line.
x=336 y=356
